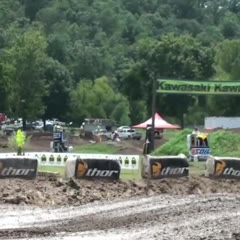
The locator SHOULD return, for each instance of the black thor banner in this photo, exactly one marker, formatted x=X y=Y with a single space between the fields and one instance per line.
x=18 y=168
x=97 y=168
x=168 y=167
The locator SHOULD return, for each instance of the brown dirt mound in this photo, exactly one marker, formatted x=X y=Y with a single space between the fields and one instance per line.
x=54 y=191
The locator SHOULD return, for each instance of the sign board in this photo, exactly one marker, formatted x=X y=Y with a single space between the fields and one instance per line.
x=200 y=151
x=227 y=168
x=97 y=168
x=164 y=167
x=198 y=146
x=18 y=168
x=199 y=87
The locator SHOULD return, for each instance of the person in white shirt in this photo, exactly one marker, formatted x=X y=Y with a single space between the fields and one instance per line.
x=195 y=131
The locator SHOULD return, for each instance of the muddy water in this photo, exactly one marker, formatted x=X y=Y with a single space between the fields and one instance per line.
x=195 y=217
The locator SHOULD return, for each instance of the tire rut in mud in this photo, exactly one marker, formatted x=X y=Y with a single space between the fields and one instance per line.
x=155 y=210
x=190 y=217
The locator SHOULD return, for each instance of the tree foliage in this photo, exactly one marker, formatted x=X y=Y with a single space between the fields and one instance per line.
x=97 y=99
x=75 y=59
x=171 y=57
x=227 y=65
x=24 y=66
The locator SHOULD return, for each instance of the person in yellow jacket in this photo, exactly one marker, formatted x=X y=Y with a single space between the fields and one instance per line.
x=20 y=140
x=203 y=139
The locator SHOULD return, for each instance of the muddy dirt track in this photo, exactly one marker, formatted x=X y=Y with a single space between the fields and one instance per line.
x=51 y=208
x=212 y=216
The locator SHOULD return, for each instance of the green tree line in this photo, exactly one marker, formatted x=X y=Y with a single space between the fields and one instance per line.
x=73 y=59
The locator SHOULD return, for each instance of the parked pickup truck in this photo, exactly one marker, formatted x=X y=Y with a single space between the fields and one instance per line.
x=129 y=134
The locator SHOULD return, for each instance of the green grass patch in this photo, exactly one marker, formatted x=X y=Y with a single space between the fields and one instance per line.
x=176 y=145
x=196 y=168
x=170 y=134
x=225 y=143
x=55 y=169
x=96 y=148
x=222 y=143
x=130 y=174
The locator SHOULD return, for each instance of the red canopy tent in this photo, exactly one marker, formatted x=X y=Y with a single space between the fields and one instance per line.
x=159 y=123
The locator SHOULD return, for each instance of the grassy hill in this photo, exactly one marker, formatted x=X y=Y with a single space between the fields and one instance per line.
x=222 y=143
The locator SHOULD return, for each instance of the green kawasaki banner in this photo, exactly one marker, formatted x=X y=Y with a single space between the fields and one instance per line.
x=199 y=87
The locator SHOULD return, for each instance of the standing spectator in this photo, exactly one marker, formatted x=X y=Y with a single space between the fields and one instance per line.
x=20 y=140
x=195 y=131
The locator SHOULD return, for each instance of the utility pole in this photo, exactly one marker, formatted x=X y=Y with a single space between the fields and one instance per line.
x=154 y=86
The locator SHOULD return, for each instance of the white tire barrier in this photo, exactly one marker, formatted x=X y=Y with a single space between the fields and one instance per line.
x=128 y=162
x=70 y=167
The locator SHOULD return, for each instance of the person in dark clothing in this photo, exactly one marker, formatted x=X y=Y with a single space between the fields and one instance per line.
x=147 y=144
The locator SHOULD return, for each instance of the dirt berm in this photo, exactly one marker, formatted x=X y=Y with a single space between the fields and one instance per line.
x=54 y=191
